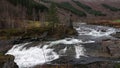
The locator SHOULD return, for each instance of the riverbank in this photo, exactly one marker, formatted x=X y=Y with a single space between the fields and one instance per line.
x=9 y=37
x=91 y=65
x=112 y=23
x=37 y=33
x=73 y=46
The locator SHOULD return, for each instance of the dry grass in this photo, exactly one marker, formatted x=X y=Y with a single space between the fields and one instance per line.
x=36 y=29
x=117 y=21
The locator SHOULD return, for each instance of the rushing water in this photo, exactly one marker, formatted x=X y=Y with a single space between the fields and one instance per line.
x=36 y=53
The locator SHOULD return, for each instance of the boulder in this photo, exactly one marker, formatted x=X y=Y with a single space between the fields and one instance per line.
x=112 y=47
x=116 y=35
x=7 y=61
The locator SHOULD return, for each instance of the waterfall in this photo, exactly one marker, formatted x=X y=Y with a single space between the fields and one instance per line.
x=52 y=50
x=32 y=56
x=39 y=55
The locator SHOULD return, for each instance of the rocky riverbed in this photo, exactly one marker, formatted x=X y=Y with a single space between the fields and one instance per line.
x=95 y=46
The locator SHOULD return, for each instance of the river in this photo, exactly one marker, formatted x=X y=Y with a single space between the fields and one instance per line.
x=73 y=50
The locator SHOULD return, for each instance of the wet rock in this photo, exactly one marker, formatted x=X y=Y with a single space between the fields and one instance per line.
x=112 y=47
x=91 y=65
x=106 y=39
x=7 y=61
x=114 y=50
x=54 y=66
x=103 y=30
x=107 y=48
x=105 y=44
x=5 y=45
x=63 y=60
x=101 y=65
x=116 y=35
x=96 y=65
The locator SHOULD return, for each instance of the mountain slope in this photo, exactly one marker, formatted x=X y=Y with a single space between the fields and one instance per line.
x=96 y=5
x=16 y=11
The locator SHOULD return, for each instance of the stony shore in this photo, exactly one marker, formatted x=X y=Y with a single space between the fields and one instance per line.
x=105 y=23
x=109 y=48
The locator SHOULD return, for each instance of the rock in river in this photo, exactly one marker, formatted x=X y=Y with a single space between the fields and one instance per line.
x=7 y=61
x=112 y=47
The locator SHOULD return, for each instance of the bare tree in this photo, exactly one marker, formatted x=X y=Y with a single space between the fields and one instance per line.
x=24 y=19
x=34 y=14
x=69 y=20
x=42 y=18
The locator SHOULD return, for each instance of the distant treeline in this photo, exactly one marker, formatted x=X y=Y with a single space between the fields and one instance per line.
x=69 y=7
x=14 y=13
x=89 y=9
x=30 y=5
x=111 y=7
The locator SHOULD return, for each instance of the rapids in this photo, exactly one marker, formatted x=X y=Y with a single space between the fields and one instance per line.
x=51 y=51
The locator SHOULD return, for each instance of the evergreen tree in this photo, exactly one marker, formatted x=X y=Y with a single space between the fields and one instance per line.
x=52 y=15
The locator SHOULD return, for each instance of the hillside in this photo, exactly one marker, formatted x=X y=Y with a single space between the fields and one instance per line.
x=107 y=9
x=13 y=12
x=59 y=33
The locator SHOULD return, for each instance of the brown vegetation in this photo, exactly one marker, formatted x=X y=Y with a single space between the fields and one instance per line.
x=105 y=23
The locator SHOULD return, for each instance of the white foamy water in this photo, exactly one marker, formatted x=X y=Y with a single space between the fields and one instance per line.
x=37 y=55
x=70 y=41
x=32 y=56
x=97 y=31
x=79 y=51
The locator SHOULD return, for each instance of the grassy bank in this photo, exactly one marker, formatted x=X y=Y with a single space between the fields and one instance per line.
x=36 y=29
x=110 y=23
x=116 y=21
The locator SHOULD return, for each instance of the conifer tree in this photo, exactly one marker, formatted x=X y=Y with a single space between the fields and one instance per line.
x=52 y=15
